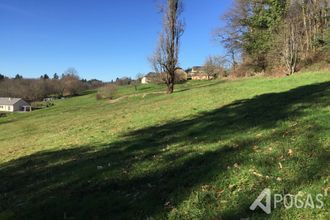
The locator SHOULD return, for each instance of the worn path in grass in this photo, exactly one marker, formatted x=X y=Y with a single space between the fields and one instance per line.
x=143 y=95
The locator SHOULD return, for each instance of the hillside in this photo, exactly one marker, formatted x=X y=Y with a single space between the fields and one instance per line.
x=206 y=151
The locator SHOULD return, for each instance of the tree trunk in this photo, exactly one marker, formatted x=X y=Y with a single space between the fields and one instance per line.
x=170 y=88
x=170 y=85
x=308 y=39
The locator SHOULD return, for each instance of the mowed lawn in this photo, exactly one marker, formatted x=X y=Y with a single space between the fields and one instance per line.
x=204 y=152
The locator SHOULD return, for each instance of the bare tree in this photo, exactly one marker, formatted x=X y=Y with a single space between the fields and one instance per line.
x=292 y=37
x=70 y=71
x=214 y=66
x=231 y=36
x=72 y=84
x=166 y=56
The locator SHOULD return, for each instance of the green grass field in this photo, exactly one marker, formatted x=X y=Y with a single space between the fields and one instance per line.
x=204 y=152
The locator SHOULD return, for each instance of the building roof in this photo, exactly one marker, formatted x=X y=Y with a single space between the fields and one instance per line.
x=197 y=67
x=8 y=100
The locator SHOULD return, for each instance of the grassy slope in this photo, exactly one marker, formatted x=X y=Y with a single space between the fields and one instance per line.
x=207 y=150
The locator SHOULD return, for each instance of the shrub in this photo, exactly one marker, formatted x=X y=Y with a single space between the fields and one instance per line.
x=180 y=76
x=107 y=91
x=98 y=96
x=42 y=105
x=243 y=70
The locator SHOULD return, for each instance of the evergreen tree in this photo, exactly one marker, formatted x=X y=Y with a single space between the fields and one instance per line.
x=56 y=76
x=18 y=76
x=262 y=28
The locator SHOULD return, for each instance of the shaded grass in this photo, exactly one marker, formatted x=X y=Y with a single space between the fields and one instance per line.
x=209 y=156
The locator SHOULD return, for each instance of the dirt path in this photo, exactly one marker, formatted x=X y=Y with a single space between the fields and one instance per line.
x=134 y=95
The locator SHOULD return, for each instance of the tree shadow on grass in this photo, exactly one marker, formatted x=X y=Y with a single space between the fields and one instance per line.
x=150 y=171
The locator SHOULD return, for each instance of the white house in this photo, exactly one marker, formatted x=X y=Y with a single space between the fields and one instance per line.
x=14 y=105
x=144 y=80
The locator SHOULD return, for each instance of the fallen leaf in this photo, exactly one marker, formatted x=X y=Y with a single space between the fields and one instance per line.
x=280 y=164
x=257 y=174
x=259 y=135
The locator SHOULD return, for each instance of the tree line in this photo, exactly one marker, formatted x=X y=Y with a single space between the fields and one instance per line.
x=69 y=84
x=278 y=36
x=268 y=34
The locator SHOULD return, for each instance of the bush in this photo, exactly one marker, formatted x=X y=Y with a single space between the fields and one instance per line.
x=180 y=76
x=107 y=92
x=42 y=105
x=243 y=70
x=98 y=96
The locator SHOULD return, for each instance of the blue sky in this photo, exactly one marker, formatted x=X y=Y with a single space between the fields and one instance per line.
x=102 y=39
